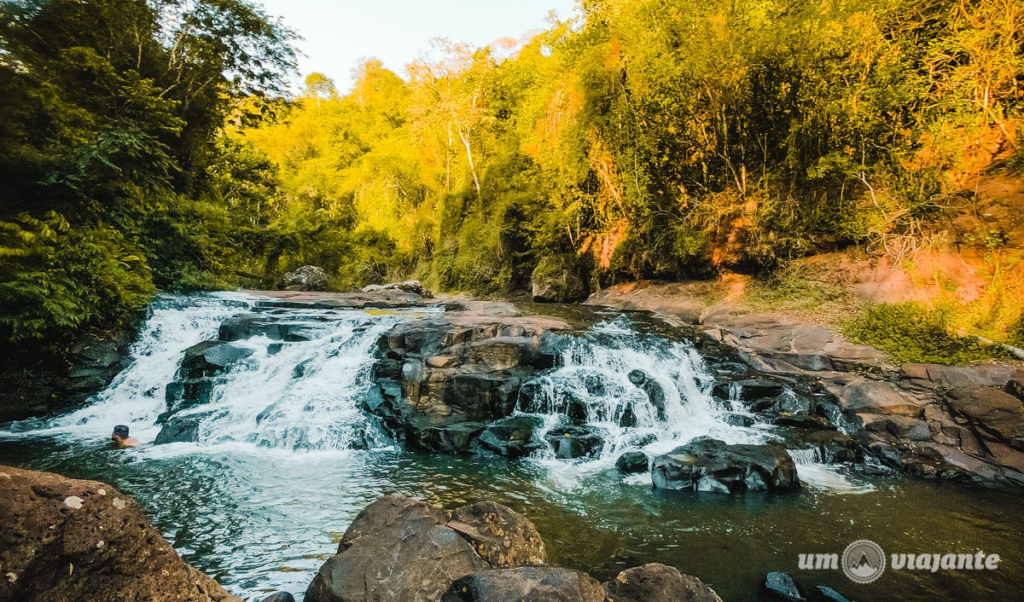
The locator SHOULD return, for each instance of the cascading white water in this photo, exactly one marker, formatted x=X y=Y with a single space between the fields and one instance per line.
x=305 y=396
x=595 y=372
x=301 y=395
x=136 y=396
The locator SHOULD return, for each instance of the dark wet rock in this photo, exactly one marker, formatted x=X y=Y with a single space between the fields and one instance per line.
x=503 y=538
x=995 y=415
x=33 y=384
x=183 y=394
x=558 y=279
x=632 y=462
x=305 y=278
x=408 y=286
x=278 y=328
x=574 y=442
x=67 y=539
x=824 y=593
x=454 y=438
x=513 y=437
x=180 y=429
x=739 y=420
x=781 y=586
x=433 y=373
x=802 y=421
x=279 y=597
x=1015 y=387
x=748 y=389
x=577 y=410
x=210 y=358
x=537 y=584
x=651 y=388
x=712 y=465
x=627 y=418
x=396 y=549
x=832 y=446
x=658 y=583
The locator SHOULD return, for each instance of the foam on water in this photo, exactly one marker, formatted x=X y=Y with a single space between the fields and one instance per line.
x=595 y=370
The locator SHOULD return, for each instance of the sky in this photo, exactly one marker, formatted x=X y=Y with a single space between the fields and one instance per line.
x=339 y=34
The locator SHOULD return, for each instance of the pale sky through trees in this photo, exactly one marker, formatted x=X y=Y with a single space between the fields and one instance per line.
x=338 y=34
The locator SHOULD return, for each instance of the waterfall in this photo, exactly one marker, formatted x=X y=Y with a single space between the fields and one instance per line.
x=302 y=376
x=599 y=376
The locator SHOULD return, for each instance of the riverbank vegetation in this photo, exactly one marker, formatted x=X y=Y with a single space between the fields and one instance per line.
x=149 y=145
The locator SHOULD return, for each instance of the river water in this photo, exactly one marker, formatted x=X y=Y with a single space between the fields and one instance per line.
x=286 y=459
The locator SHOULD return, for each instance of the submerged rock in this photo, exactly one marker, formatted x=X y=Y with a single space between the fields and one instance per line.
x=713 y=465
x=574 y=442
x=279 y=597
x=658 y=582
x=632 y=462
x=825 y=593
x=67 y=539
x=781 y=586
x=513 y=437
x=305 y=278
x=537 y=584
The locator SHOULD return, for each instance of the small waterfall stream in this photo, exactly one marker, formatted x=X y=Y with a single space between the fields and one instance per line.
x=285 y=453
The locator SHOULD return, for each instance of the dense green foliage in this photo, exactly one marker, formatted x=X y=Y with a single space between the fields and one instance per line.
x=656 y=138
x=913 y=333
x=147 y=144
x=110 y=151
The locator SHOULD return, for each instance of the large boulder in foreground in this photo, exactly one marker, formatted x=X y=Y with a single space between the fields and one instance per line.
x=69 y=540
x=713 y=465
x=656 y=582
x=399 y=549
x=537 y=584
x=306 y=278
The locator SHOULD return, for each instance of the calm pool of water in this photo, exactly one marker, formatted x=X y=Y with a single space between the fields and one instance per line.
x=260 y=520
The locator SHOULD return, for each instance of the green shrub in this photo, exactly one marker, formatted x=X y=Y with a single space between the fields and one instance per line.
x=911 y=332
x=58 y=281
x=793 y=287
x=1016 y=333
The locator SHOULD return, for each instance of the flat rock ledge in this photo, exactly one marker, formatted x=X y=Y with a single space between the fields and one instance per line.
x=66 y=540
x=952 y=423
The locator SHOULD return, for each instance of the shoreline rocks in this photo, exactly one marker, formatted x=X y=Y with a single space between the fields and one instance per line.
x=68 y=539
x=399 y=549
x=712 y=465
x=915 y=418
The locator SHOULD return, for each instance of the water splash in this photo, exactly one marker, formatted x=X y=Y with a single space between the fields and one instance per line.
x=648 y=394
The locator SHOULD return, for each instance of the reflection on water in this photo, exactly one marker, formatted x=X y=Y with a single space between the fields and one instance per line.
x=260 y=520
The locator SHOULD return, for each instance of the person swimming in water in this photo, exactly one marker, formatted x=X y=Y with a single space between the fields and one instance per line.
x=121 y=439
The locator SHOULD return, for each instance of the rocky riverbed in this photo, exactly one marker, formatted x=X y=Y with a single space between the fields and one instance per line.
x=458 y=380
x=571 y=414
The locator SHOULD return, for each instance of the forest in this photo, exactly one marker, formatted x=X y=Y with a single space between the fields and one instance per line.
x=153 y=145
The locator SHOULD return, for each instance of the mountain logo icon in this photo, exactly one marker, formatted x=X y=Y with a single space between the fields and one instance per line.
x=863 y=561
